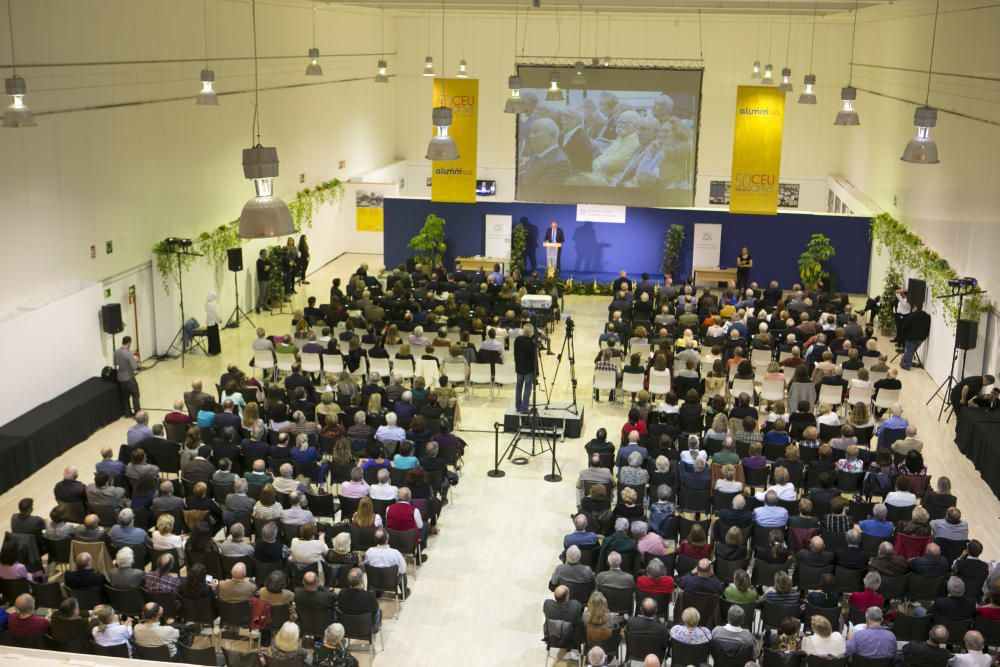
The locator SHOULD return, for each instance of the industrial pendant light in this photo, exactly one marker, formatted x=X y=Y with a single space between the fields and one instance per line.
x=264 y=215
x=755 y=70
x=514 y=103
x=313 y=68
x=207 y=96
x=429 y=60
x=847 y=114
x=554 y=94
x=17 y=114
x=382 y=73
x=921 y=149
x=786 y=80
x=463 y=69
x=579 y=78
x=768 y=78
x=808 y=96
x=786 y=73
x=442 y=147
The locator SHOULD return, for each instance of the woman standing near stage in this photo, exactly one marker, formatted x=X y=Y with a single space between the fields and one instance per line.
x=303 y=259
x=212 y=325
x=743 y=265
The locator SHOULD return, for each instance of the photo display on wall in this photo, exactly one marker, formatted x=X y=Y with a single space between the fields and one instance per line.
x=788 y=194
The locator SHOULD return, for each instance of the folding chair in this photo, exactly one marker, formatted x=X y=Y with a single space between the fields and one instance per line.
x=480 y=373
x=604 y=381
x=285 y=361
x=263 y=360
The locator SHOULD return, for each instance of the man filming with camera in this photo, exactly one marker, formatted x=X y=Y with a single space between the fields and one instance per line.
x=525 y=367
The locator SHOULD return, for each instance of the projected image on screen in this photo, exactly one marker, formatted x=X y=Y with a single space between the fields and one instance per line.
x=628 y=137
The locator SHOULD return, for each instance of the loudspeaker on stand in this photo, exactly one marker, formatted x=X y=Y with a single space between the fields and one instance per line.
x=916 y=291
x=235 y=256
x=111 y=318
x=967 y=334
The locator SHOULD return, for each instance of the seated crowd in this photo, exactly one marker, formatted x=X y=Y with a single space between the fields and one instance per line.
x=234 y=500
x=720 y=528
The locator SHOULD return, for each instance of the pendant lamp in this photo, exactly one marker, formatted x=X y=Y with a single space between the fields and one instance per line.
x=808 y=96
x=382 y=71
x=921 y=149
x=463 y=70
x=382 y=74
x=554 y=94
x=264 y=215
x=514 y=103
x=847 y=114
x=768 y=78
x=786 y=80
x=755 y=72
x=207 y=96
x=313 y=68
x=579 y=78
x=17 y=114
x=429 y=66
x=442 y=147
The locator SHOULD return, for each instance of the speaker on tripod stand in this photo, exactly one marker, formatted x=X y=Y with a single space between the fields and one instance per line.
x=234 y=257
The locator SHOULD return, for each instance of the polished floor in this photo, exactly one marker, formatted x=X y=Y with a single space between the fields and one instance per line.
x=477 y=600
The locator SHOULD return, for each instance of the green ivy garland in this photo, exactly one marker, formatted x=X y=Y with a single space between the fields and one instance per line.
x=307 y=200
x=518 y=245
x=166 y=264
x=907 y=251
x=213 y=244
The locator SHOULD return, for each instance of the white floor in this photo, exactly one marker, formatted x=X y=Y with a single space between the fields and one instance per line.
x=477 y=600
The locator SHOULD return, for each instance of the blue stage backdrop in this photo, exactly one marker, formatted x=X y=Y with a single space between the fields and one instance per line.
x=600 y=250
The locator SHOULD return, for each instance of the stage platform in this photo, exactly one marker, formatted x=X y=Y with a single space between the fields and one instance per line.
x=570 y=425
x=35 y=438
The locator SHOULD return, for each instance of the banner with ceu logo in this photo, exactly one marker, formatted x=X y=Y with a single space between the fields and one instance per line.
x=760 y=117
x=456 y=180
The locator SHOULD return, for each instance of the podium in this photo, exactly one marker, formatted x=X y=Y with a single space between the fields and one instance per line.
x=551 y=254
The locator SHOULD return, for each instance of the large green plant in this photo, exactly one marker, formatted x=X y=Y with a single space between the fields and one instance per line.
x=672 y=249
x=893 y=279
x=429 y=245
x=908 y=253
x=811 y=261
x=518 y=245
x=167 y=264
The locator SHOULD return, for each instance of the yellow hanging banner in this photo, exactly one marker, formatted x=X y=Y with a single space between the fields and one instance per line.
x=455 y=180
x=760 y=117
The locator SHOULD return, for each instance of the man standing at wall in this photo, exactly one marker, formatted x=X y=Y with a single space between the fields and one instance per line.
x=127 y=366
x=525 y=366
x=263 y=281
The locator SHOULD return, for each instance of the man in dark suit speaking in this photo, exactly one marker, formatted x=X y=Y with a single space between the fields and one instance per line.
x=555 y=235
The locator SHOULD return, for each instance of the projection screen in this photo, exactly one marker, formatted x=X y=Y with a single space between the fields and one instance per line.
x=628 y=136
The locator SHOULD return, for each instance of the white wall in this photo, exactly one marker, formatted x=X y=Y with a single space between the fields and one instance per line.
x=811 y=147
x=955 y=205
x=137 y=174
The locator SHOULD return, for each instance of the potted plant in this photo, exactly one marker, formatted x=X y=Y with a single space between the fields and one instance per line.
x=811 y=261
x=429 y=244
x=672 y=249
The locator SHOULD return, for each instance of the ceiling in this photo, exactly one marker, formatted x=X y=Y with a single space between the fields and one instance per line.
x=730 y=7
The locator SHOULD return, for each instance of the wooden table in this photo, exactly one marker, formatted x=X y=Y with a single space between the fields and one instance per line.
x=710 y=275
x=477 y=263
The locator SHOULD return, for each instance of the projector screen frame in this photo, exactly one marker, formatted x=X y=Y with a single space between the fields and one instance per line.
x=534 y=73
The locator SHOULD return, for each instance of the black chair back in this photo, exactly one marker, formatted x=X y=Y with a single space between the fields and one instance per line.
x=989 y=629
x=731 y=654
x=357 y=626
x=263 y=568
x=771 y=614
x=620 y=600
x=637 y=647
x=76 y=512
x=580 y=591
x=321 y=505
x=362 y=539
x=823 y=661
x=763 y=573
x=912 y=628
x=48 y=595
x=168 y=602
x=859 y=661
x=271 y=661
x=158 y=653
x=199 y=656
x=726 y=569
x=689 y=654
x=831 y=614
x=88 y=598
x=234 y=614
x=240 y=659
x=196 y=611
x=126 y=601
x=773 y=658
x=849 y=482
x=848 y=580
x=893 y=587
x=925 y=588
x=115 y=651
x=348 y=506
x=315 y=623
x=11 y=588
x=707 y=606
x=212 y=562
x=809 y=576
x=382 y=578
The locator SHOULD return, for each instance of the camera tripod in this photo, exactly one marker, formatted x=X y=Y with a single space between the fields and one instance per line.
x=567 y=346
x=180 y=341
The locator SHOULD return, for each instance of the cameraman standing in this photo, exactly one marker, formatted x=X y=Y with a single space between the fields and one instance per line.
x=525 y=366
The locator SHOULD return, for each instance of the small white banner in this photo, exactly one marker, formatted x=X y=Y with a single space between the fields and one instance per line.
x=600 y=213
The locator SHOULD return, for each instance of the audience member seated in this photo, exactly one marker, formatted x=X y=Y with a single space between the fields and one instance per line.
x=862 y=600
x=929 y=653
x=918 y=525
x=816 y=555
x=67 y=625
x=614 y=576
x=887 y=563
x=702 y=581
x=109 y=630
x=696 y=545
x=124 y=575
x=837 y=521
x=150 y=633
x=877 y=526
x=688 y=631
x=931 y=564
x=125 y=533
x=647 y=627
x=70 y=489
x=770 y=514
x=951 y=527
x=901 y=497
x=266 y=548
x=160 y=579
x=852 y=557
x=563 y=608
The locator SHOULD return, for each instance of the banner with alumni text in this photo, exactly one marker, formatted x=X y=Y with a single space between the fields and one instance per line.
x=455 y=180
x=760 y=117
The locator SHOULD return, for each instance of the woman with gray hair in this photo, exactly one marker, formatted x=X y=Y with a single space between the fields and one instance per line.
x=331 y=652
x=341 y=553
x=633 y=474
x=862 y=600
